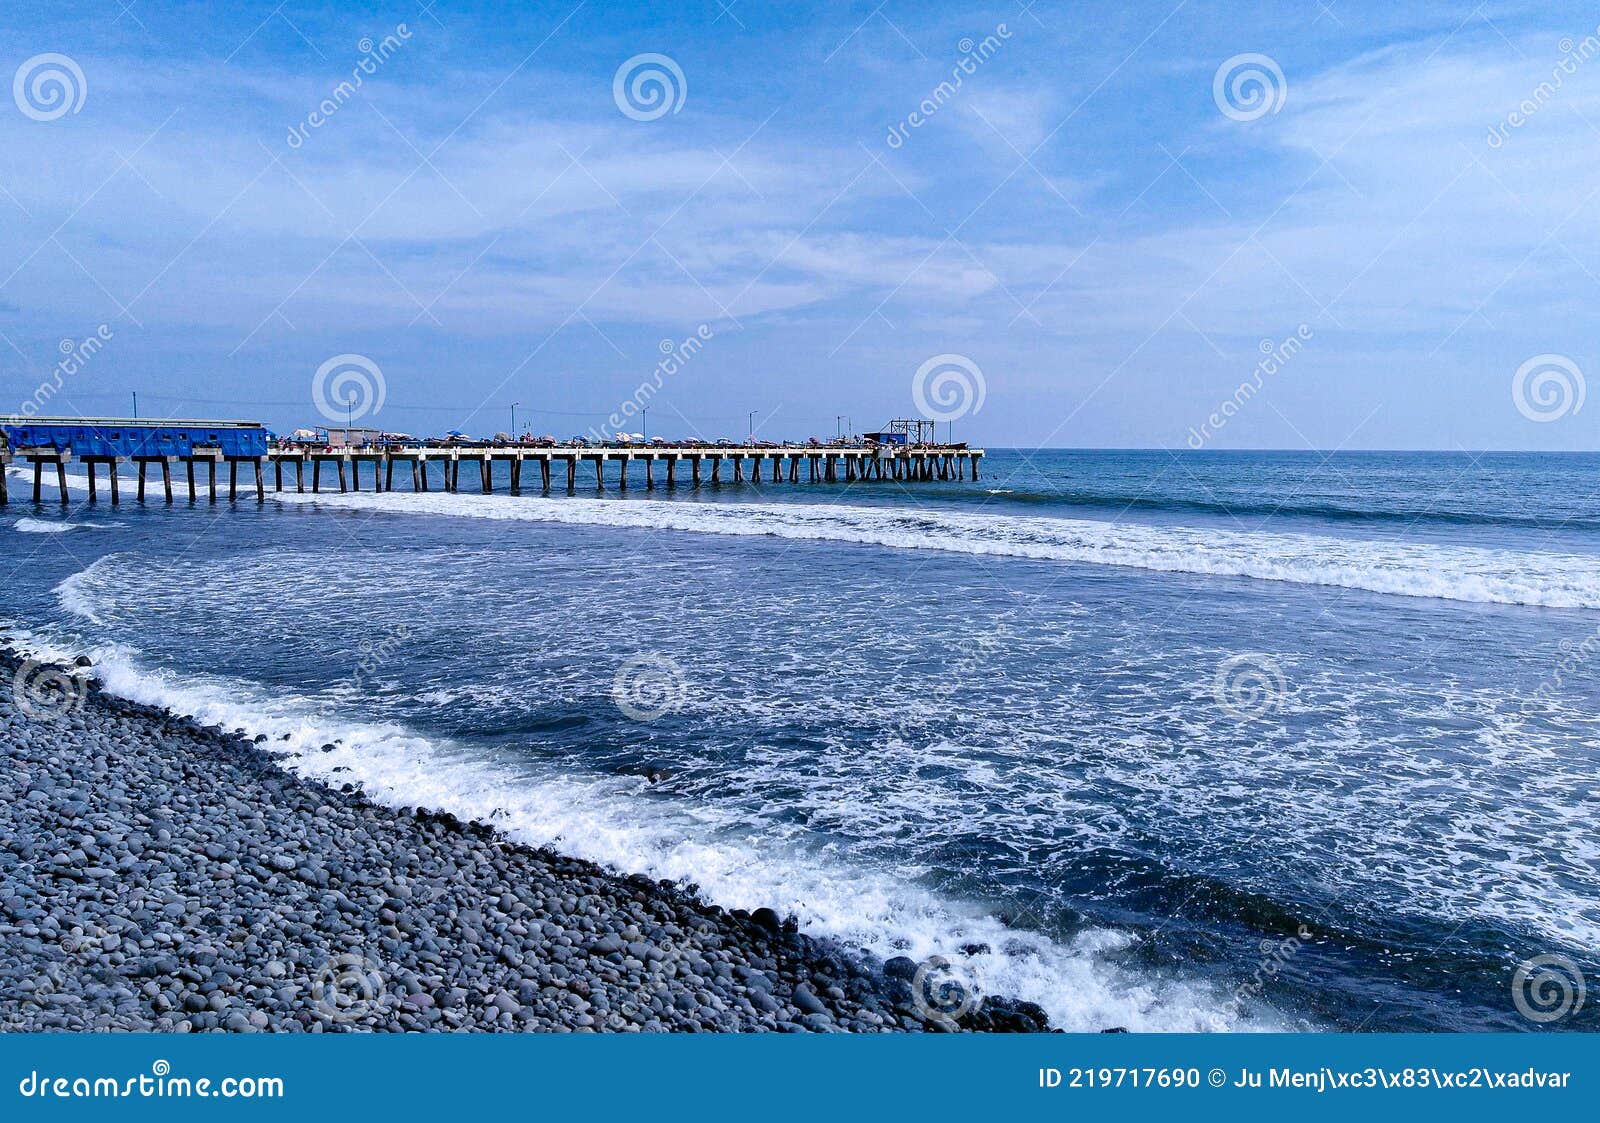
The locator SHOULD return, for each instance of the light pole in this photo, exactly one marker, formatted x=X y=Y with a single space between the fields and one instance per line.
x=644 y=422
x=752 y=436
x=514 y=406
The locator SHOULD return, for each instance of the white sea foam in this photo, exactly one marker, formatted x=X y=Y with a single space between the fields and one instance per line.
x=1447 y=572
x=41 y=526
x=618 y=821
x=26 y=525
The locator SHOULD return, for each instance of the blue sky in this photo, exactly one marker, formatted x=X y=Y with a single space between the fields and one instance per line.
x=1108 y=241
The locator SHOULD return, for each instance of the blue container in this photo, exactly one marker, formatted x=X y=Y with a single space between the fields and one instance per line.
x=118 y=436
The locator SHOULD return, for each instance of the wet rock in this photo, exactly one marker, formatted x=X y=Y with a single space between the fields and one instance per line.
x=173 y=878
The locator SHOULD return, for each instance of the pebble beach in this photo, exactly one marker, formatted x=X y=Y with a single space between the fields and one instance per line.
x=160 y=875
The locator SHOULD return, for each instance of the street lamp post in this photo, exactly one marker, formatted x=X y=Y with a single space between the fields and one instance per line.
x=514 y=406
x=752 y=436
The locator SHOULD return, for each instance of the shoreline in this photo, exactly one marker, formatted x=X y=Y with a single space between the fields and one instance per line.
x=163 y=875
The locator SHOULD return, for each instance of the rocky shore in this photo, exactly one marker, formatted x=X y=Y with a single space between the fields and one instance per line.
x=160 y=875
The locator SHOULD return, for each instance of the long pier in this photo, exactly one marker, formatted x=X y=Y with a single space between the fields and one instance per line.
x=659 y=465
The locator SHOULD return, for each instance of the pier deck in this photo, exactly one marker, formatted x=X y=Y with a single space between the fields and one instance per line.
x=704 y=465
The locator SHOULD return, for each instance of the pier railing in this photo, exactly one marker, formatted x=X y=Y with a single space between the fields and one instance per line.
x=704 y=465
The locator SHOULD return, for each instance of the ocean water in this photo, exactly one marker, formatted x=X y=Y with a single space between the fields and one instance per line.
x=1158 y=740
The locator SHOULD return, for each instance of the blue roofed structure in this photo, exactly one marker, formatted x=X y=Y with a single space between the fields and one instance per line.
x=135 y=437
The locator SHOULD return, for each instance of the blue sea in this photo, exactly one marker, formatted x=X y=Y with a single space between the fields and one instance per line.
x=1162 y=741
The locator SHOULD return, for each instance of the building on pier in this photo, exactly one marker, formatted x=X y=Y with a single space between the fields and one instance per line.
x=130 y=438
